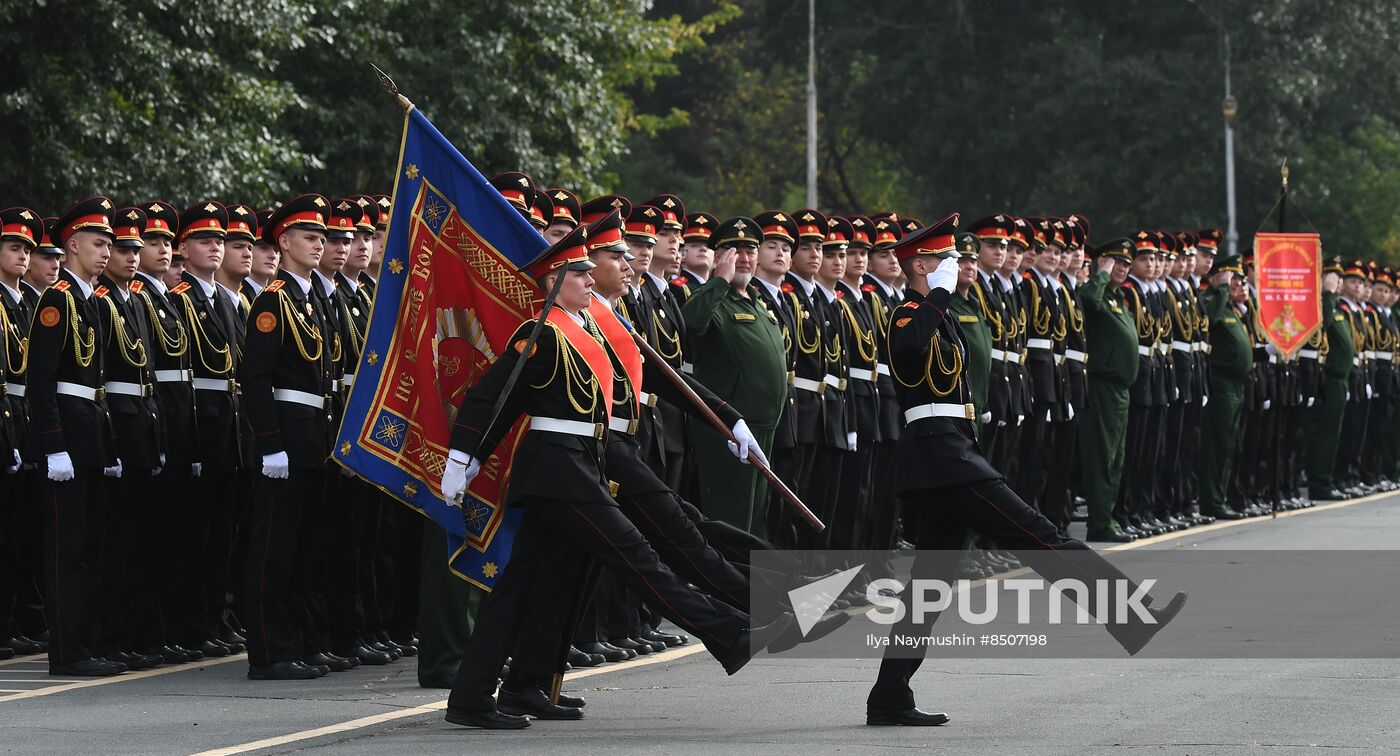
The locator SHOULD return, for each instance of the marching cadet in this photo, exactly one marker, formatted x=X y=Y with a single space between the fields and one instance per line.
x=569 y=508
x=1046 y=324
x=951 y=489
x=697 y=258
x=210 y=318
x=566 y=216
x=170 y=353
x=1018 y=380
x=738 y=348
x=70 y=436
x=1187 y=353
x=287 y=378
x=774 y=259
x=1231 y=363
x=1337 y=353
x=1375 y=469
x=1348 y=473
x=1255 y=450
x=667 y=332
x=130 y=570
x=21 y=230
x=1111 y=334
x=880 y=286
x=813 y=332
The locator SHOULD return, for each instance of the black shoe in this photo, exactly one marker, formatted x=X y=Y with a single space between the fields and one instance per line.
x=392 y=649
x=335 y=663
x=533 y=702
x=212 y=650
x=21 y=645
x=88 y=668
x=487 y=720
x=824 y=627
x=755 y=640
x=365 y=655
x=168 y=655
x=656 y=645
x=608 y=651
x=1134 y=637
x=6 y=653
x=133 y=660
x=404 y=649
x=231 y=637
x=1227 y=514
x=233 y=648
x=654 y=635
x=1112 y=536
x=191 y=655
x=1330 y=494
x=579 y=659
x=875 y=715
x=283 y=670
x=630 y=645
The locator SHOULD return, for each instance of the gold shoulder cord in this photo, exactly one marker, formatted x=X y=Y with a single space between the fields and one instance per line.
x=1040 y=316
x=880 y=313
x=1183 y=324
x=6 y=328
x=172 y=346
x=1015 y=325
x=293 y=318
x=200 y=338
x=935 y=355
x=800 y=320
x=357 y=337
x=575 y=374
x=832 y=353
x=664 y=341
x=79 y=345
x=1146 y=328
x=993 y=320
x=1076 y=317
x=126 y=344
x=865 y=342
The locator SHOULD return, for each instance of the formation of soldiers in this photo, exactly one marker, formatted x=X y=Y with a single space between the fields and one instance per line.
x=178 y=377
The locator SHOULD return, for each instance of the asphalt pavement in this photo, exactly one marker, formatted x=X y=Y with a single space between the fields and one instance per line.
x=682 y=702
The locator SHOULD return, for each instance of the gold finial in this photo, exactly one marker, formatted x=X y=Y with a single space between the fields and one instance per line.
x=391 y=88
x=1284 y=170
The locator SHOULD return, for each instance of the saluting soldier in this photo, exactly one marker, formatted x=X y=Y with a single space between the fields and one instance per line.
x=21 y=230
x=129 y=568
x=70 y=437
x=287 y=378
x=1231 y=363
x=1147 y=390
x=1337 y=353
x=950 y=487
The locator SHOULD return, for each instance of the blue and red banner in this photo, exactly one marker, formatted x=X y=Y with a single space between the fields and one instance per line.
x=449 y=298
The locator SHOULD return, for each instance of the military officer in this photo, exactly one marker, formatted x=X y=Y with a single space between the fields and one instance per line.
x=70 y=437
x=1231 y=362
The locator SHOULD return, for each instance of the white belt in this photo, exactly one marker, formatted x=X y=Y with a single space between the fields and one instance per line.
x=127 y=389
x=298 y=397
x=1206 y=348
x=568 y=427
x=16 y=389
x=1040 y=344
x=1273 y=359
x=1309 y=354
x=862 y=374
x=1076 y=355
x=79 y=390
x=687 y=367
x=174 y=376
x=999 y=355
x=1370 y=355
x=834 y=382
x=619 y=424
x=1059 y=359
x=807 y=384
x=1385 y=355
x=882 y=369
x=1181 y=346
x=1163 y=347
x=227 y=385
x=647 y=400
x=1145 y=351
x=1356 y=360
x=938 y=409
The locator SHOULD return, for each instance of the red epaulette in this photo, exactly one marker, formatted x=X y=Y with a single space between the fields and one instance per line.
x=137 y=286
x=786 y=288
x=868 y=288
x=62 y=286
x=182 y=288
x=1344 y=307
x=1127 y=284
x=100 y=292
x=275 y=285
x=840 y=294
x=679 y=281
x=1026 y=275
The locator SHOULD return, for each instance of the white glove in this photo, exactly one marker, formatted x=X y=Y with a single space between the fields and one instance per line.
x=945 y=276
x=15 y=468
x=1205 y=400
x=747 y=444
x=851 y=441
x=60 y=466
x=459 y=472
x=1311 y=399
x=196 y=468
x=1368 y=391
x=1267 y=402
x=1047 y=416
x=277 y=465
x=1176 y=393
x=1070 y=407
x=1020 y=419
x=113 y=472
x=1271 y=349
x=986 y=417
x=1348 y=394
x=1000 y=423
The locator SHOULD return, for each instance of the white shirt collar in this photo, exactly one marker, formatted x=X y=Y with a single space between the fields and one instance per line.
x=660 y=285
x=257 y=288
x=326 y=283
x=204 y=286
x=1006 y=284
x=889 y=290
x=83 y=286
x=152 y=281
x=855 y=289
x=807 y=286
x=14 y=293
x=232 y=295
x=304 y=283
x=773 y=290
x=830 y=293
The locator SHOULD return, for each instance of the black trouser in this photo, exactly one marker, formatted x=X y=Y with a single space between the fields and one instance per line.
x=853 y=511
x=340 y=561
x=206 y=524
x=555 y=539
x=1189 y=459
x=1058 y=501
x=946 y=516
x=824 y=489
x=1134 y=446
x=127 y=564
x=681 y=546
x=1167 y=468
x=1036 y=440
x=884 y=499
x=72 y=566
x=164 y=560
x=778 y=520
x=279 y=570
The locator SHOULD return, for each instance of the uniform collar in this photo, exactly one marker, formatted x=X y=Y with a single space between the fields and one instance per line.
x=773 y=291
x=83 y=286
x=693 y=276
x=303 y=283
x=326 y=283
x=254 y=285
x=656 y=280
x=15 y=296
x=152 y=281
x=204 y=286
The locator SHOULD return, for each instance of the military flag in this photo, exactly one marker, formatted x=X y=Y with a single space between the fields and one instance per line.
x=1288 y=279
x=449 y=298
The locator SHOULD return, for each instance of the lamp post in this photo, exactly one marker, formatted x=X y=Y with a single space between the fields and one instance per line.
x=811 y=103
x=1229 y=107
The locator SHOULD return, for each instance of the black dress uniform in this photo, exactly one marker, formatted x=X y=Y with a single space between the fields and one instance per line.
x=287 y=378
x=667 y=336
x=570 y=514
x=68 y=415
x=855 y=512
x=950 y=486
x=884 y=497
x=1046 y=324
x=1062 y=477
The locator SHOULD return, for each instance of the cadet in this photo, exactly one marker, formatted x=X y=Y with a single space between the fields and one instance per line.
x=70 y=436
x=697 y=256
x=774 y=259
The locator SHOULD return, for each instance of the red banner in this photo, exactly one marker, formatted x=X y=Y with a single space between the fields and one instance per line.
x=1288 y=280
